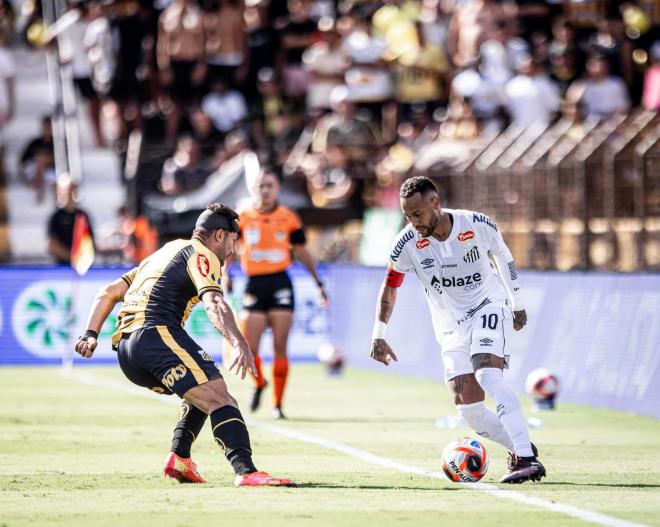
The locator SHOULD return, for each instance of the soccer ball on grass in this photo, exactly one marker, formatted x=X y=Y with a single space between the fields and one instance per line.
x=465 y=460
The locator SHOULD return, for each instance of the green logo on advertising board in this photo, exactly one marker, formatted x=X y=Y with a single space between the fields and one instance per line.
x=49 y=317
x=43 y=318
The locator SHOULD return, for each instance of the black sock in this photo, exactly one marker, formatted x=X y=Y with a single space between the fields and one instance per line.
x=191 y=422
x=230 y=432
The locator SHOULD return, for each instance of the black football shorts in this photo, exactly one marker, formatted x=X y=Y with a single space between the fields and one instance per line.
x=268 y=291
x=165 y=359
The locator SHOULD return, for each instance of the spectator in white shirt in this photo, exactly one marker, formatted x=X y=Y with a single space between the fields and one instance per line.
x=600 y=95
x=7 y=94
x=72 y=51
x=531 y=97
x=326 y=61
x=226 y=108
x=7 y=74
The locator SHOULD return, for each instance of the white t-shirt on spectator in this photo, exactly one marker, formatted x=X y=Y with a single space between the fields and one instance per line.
x=602 y=99
x=7 y=71
x=225 y=110
x=363 y=48
x=72 y=48
x=98 y=44
x=367 y=80
x=531 y=99
x=324 y=61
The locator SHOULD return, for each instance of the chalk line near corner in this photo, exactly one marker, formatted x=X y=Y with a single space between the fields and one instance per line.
x=368 y=457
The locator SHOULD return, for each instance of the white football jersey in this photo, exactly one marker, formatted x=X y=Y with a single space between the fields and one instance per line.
x=457 y=274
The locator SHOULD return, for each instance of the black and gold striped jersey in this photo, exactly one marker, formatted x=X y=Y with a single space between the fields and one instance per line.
x=166 y=286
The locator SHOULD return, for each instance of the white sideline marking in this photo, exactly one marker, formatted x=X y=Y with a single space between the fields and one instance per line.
x=569 y=510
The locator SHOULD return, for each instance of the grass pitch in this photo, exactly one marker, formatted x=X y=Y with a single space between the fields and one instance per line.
x=76 y=454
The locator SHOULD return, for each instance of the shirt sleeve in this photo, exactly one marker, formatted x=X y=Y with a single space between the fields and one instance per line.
x=399 y=259
x=295 y=222
x=205 y=273
x=296 y=231
x=130 y=276
x=506 y=267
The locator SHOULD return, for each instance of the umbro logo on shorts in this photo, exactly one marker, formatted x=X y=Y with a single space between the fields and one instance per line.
x=486 y=342
x=427 y=263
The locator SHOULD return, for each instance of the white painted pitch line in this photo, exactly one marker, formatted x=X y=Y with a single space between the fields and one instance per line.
x=363 y=455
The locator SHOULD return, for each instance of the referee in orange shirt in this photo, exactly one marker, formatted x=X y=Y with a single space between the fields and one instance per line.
x=270 y=235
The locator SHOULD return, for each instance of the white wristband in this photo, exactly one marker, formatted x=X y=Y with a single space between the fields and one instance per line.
x=379 y=330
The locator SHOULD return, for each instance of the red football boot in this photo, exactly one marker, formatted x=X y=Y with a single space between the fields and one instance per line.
x=262 y=479
x=182 y=469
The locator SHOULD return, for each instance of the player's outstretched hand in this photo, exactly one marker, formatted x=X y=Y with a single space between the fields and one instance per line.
x=244 y=362
x=519 y=319
x=85 y=346
x=382 y=352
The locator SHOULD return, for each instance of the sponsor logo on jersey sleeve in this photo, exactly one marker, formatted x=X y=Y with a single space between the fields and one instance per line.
x=465 y=236
x=513 y=271
x=203 y=265
x=400 y=244
x=481 y=218
x=423 y=243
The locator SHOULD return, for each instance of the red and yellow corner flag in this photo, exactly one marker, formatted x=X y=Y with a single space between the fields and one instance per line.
x=82 y=248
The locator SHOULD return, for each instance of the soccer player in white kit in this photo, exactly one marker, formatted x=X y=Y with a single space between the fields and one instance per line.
x=470 y=302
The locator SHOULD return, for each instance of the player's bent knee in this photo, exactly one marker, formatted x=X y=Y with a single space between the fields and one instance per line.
x=489 y=379
x=210 y=396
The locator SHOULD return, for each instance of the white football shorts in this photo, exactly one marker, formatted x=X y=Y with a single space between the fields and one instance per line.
x=485 y=332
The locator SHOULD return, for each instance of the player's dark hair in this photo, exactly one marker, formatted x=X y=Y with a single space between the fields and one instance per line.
x=416 y=184
x=216 y=216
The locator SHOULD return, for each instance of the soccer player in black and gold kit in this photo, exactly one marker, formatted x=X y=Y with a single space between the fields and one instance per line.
x=155 y=352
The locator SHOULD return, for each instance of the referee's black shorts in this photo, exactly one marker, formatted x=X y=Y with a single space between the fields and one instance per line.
x=269 y=291
x=165 y=359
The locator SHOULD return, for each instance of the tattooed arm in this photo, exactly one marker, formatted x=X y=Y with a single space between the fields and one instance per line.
x=380 y=349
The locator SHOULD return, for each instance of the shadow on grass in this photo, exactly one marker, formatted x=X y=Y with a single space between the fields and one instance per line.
x=355 y=420
x=372 y=487
x=613 y=485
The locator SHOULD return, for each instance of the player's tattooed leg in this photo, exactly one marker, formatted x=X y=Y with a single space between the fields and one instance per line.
x=465 y=389
x=486 y=360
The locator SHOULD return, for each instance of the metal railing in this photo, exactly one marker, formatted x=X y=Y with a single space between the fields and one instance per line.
x=572 y=195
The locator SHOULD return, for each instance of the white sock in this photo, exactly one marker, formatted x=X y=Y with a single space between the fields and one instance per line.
x=485 y=423
x=508 y=409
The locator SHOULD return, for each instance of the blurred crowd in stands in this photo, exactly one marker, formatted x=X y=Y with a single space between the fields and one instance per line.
x=343 y=96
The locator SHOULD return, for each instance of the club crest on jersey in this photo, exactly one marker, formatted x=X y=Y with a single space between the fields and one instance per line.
x=465 y=236
x=203 y=265
x=423 y=243
x=280 y=236
x=472 y=255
